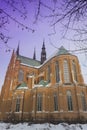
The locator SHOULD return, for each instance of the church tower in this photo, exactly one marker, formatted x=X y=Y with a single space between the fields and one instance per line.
x=43 y=53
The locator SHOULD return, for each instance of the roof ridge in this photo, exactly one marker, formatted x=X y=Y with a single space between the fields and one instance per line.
x=28 y=58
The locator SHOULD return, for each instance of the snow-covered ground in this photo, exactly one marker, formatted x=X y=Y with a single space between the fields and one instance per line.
x=26 y=126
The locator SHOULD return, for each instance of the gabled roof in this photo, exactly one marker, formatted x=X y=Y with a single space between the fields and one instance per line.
x=22 y=86
x=43 y=83
x=28 y=61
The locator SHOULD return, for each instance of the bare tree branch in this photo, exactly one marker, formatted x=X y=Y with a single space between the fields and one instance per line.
x=70 y=13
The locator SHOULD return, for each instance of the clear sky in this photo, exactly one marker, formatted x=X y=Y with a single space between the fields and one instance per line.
x=28 y=41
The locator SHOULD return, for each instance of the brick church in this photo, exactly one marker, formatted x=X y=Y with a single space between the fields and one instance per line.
x=45 y=90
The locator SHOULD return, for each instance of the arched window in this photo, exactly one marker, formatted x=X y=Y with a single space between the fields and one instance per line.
x=39 y=102
x=83 y=101
x=18 y=104
x=74 y=70
x=55 y=102
x=57 y=72
x=69 y=101
x=20 y=75
x=66 y=72
x=49 y=71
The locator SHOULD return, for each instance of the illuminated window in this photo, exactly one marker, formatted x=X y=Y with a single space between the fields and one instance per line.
x=20 y=75
x=83 y=101
x=74 y=70
x=39 y=102
x=55 y=102
x=66 y=72
x=18 y=104
x=69 y=101
x=57 y=72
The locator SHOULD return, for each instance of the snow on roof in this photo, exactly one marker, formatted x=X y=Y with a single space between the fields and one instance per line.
x=36 y=64
x=42 y=83
x=28 y=61
x=22 y=86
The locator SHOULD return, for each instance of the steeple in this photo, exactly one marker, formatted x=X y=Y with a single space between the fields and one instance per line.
x=17 y=51
x=43 y=44
x=43 y=53
x=34 y=56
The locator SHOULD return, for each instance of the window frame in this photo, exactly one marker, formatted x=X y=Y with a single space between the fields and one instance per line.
x=55 y=102
x=57 y=74
x=74 y=70
x=21 y=75
x=66 y=71
x=39 y=102
x=48 y=73
x=18 y=101
x=83 y=100
x=69 y=101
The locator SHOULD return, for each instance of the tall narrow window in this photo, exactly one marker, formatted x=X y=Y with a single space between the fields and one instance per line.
x=55 y=102
x=20 y=75
x=39 y=102
x=66 y=72
x=49 y=71
x=18 y=104
x=69 y=101
x=74 y=70
x=57 y=72
x=83 y=101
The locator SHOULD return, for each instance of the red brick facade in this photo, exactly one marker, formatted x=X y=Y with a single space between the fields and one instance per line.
x=54 y=90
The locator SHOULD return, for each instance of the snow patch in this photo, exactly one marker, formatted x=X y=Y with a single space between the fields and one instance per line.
x=46 y=126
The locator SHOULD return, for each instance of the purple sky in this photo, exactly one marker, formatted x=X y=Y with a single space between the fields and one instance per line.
x=29 y=41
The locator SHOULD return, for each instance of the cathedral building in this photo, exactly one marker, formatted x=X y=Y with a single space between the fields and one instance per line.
x=52 y=89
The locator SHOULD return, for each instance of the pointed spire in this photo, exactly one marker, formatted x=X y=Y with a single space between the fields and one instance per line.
x=17 y=52
x=34 y=56
x=13 y=53
x=43 y=44
x=43 y=53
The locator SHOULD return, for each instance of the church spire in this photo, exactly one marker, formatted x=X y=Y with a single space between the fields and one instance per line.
x=34 y=56
x=43 y=53
x=17 y=51
x=43 y=44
